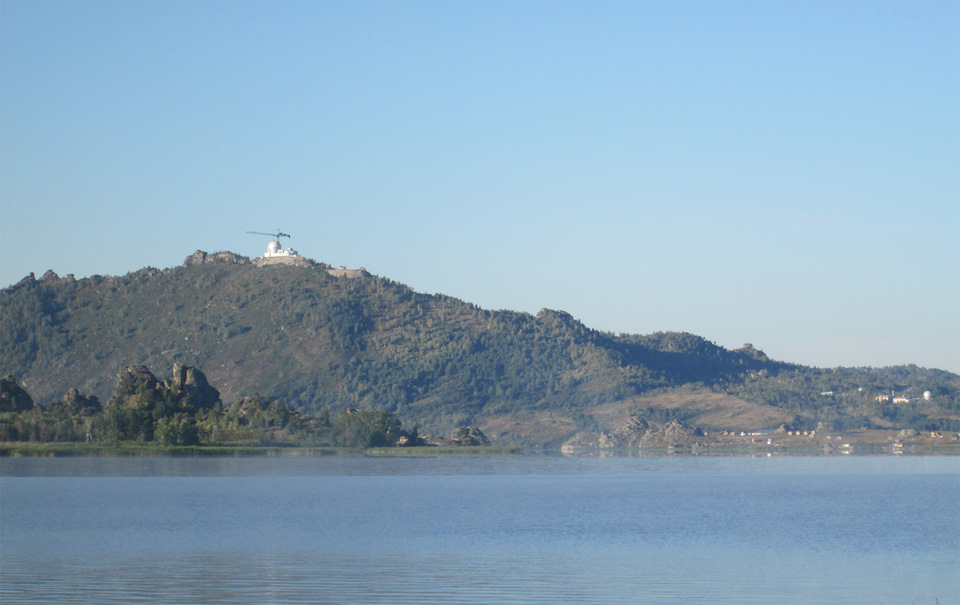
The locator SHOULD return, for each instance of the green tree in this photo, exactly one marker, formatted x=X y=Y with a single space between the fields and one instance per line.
x=363 y=428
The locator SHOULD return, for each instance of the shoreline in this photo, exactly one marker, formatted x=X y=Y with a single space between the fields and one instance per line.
x=54 y=450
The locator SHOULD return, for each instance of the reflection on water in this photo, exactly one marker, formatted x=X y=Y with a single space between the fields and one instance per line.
x=498 y=530
x=292 y=465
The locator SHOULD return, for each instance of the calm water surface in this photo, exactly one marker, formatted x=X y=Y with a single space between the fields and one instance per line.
x=489 y=530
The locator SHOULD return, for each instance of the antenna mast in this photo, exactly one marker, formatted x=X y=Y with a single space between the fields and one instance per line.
x=276 y=235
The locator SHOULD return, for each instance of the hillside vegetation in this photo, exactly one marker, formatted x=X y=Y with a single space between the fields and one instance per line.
x=319 y=341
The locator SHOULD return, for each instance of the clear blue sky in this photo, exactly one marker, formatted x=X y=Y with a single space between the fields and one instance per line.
x=780 y=173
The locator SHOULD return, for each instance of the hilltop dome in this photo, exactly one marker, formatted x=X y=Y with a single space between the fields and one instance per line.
x=273 y=246
x=927 y=395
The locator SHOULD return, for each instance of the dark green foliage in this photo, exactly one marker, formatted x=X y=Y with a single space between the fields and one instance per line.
x=13 y=397
x=119 y=423
x=179 y=429
x=261 y=421
x=366 y=428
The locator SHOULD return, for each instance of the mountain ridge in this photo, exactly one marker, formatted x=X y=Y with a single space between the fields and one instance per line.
x=320 y=338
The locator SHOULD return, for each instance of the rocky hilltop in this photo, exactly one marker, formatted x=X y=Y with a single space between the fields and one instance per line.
x=323 y=338
x=199 y=257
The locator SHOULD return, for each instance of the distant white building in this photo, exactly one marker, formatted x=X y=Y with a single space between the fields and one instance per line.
x=277 y=255
x=274 y=250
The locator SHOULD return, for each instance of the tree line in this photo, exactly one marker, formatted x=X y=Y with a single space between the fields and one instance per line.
x=146 y=411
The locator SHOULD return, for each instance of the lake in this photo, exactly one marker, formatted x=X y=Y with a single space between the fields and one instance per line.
x=521 y=529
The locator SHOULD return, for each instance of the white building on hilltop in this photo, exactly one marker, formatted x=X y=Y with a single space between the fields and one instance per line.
x=274 y=250
x=276 y=254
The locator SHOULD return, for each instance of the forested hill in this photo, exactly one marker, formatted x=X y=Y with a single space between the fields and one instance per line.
x=320 y=340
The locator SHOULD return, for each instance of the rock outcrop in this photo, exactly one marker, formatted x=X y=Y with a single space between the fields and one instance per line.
x=86 y=406
x=668 y=434
x=750 y=351
x=136 y=387
x=192 y=389
x=189 y=390
x=556 y=317
x=200 y=257
x=13 y=397
x=469 y=435
x=636 y=433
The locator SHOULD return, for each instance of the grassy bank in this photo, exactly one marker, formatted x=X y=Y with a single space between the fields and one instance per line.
x=20 y=449
x=132 y=449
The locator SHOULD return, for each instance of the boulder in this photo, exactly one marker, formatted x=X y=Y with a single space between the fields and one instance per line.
x=136 y=386
x=192 y=389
